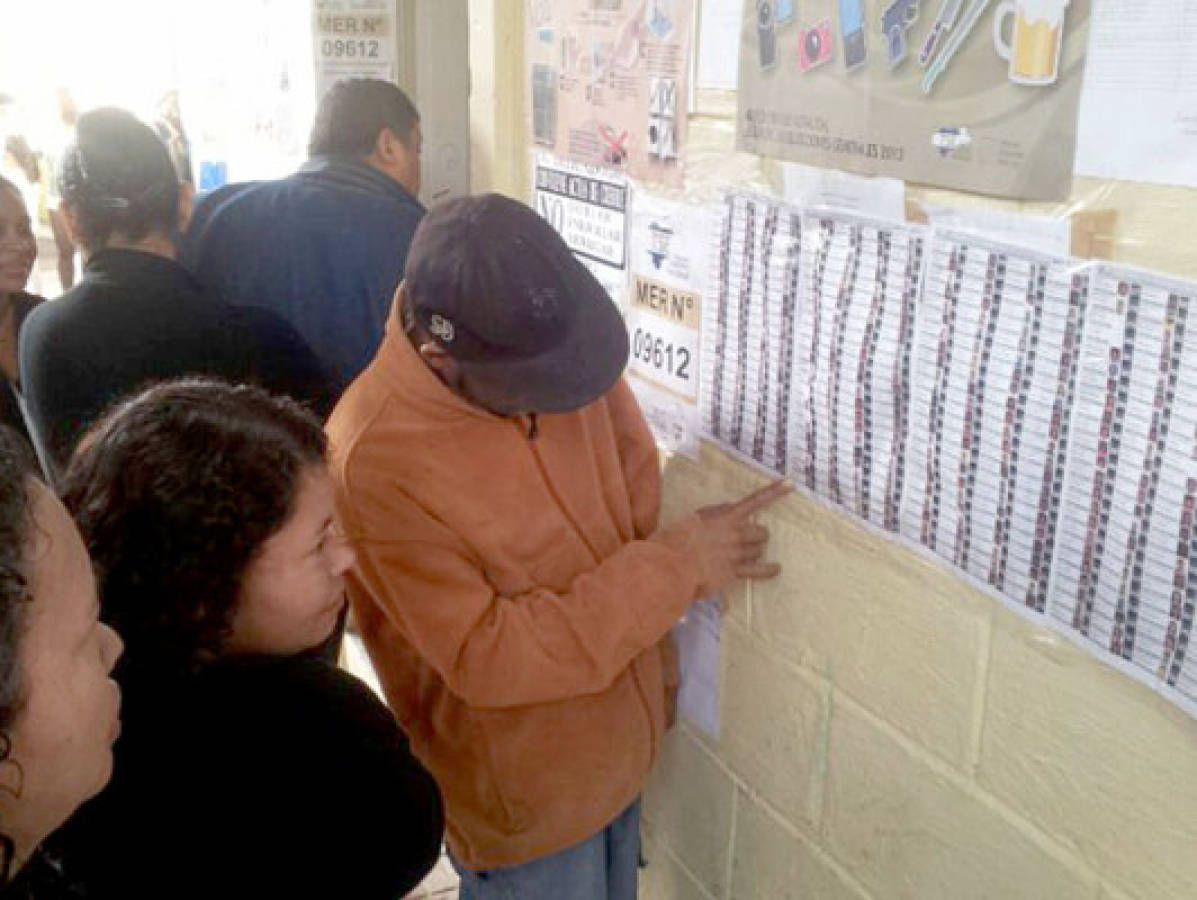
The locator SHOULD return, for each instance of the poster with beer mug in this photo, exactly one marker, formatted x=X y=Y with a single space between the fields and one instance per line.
x=975 y=95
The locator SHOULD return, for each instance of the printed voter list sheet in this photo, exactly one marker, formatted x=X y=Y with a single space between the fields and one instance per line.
x=749 y=326
x=668 y=249
x=997 y=344
x=859 y=293
x=1126 y=560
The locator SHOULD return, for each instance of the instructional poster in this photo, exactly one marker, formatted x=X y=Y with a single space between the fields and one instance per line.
x=860 y=289
x=353 y=39
x=609 y=82
x=974 y=95
x=589 y=209
x=668 y=251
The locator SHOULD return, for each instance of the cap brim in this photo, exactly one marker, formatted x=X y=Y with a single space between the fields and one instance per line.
x=576 y=372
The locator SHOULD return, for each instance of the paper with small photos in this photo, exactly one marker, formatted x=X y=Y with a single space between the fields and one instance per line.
x=997 y=342
x=749 y=326
x=859 y=293
x=1126 y=559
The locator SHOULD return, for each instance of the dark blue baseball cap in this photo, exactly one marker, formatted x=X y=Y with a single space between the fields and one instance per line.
x=507 y=299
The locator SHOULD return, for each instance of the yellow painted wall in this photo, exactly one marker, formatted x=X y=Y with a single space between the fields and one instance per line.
x=886 y=730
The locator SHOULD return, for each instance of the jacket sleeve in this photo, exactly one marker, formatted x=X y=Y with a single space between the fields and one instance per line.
x=498 y=651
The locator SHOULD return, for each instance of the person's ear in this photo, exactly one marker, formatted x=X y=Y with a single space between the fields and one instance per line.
x=186 y=205
x=398 y=158
x=70 y=219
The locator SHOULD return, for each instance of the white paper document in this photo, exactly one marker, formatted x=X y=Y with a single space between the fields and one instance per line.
x=749 y=329
x=814 y=186
x=698 y=639
x=1138 y=116
x=1126 y=564
x=668 y=247
x=860 y=287
x=719 y=44
x=993 y=388
x=1042 y=233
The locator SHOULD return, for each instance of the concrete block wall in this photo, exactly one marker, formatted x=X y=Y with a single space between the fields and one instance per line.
x=887 y=731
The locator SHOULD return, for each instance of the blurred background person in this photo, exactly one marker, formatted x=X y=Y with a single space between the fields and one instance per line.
x=18 y=253
x=169 y=126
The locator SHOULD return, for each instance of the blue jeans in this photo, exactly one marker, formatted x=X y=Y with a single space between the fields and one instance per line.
x=603 y=867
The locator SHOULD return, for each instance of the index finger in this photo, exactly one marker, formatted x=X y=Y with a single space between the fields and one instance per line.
x=759 y=499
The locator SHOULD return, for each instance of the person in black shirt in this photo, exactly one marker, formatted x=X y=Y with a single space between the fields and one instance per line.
x=137 y=316
x=246 y=767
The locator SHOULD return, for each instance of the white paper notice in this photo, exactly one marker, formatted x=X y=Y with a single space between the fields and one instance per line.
x=353 y=39
x=589 y=208
x=698 y=639
x=813 y=186
x=719 y=44
x=1126 y=569
x=860 y=289
x=669 y=242
x=1138 y=117
x=749 y=326
x=1042 y=233
x=998 y=338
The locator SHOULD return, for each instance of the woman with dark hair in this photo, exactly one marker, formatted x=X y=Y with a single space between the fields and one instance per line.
x=18 y=253
x=247 y=767
x=137 y=316
x=58 y=706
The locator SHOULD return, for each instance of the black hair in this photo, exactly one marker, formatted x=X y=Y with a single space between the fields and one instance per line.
x=117 y=178
x=351 y=114
x=16 y=521
x=175 y=491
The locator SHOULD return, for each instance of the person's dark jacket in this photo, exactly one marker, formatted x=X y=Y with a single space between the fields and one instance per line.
x=324 y=248
x=261 y=777
x=136 y=318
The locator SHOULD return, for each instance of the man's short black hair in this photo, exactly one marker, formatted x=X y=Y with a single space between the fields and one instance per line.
x=352 y=113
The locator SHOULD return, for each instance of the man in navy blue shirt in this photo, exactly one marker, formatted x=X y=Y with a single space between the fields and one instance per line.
x=325 y=247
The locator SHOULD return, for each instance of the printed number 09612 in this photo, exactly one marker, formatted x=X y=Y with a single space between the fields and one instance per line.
x=341 y=49
x=661 y=355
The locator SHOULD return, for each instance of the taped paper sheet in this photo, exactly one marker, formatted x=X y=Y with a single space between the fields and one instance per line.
x=588 y=207
x=1138 y=119
x=666 y=292
x=698 y=637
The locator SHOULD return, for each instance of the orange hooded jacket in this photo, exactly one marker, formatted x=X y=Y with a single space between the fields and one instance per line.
x=514 y=593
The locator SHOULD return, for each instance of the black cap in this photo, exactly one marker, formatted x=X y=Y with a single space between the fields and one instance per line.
x=505 y=297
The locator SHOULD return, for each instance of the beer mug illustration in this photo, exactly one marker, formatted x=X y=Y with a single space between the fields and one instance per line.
x=1034 y=47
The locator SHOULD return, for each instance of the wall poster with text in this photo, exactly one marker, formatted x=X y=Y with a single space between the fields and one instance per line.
x=974 y=95
x=609 y=81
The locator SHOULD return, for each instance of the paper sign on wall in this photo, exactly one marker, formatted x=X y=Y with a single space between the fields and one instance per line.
x=609 y=81
x=588 y=207
x=664 y=315
x=353 y=39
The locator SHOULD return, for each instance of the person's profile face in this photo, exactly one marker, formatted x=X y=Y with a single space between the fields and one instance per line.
x=294 y=589
x=63 y=737
x=18 y=246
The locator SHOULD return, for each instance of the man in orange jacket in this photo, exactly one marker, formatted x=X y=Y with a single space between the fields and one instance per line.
x=513 y=587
